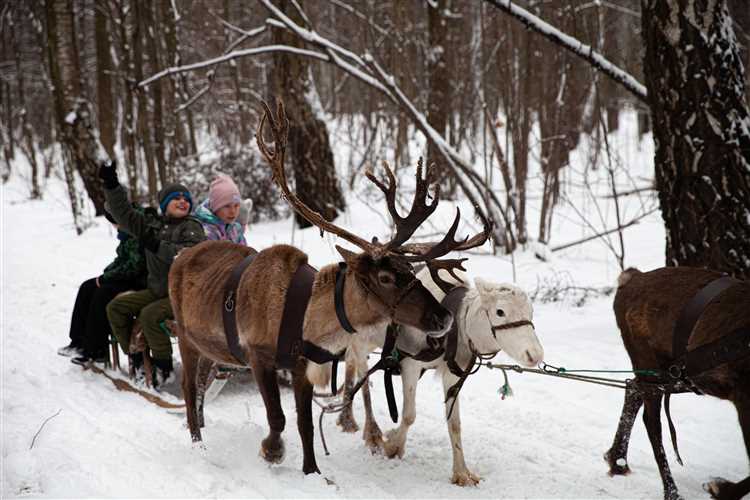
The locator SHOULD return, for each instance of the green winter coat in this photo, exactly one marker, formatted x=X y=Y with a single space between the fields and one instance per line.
x=129 y=267
x=174 y=235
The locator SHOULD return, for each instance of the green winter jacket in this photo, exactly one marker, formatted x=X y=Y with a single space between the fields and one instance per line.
x=174 y=235
x=129 y=267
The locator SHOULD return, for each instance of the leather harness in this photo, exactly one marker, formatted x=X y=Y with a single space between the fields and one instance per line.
x=290 y=345
x=686 y=365
x=445 y=346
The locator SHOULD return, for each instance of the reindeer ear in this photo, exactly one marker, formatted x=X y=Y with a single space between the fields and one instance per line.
x=348 y=255
x=481 y=285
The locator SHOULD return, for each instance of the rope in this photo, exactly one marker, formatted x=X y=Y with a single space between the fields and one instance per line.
x=559 y=369
x=553 y=372
x=334 y=407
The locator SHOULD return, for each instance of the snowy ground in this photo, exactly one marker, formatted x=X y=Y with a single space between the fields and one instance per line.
x=546 y=442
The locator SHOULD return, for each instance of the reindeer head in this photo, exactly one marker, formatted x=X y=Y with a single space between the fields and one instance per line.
x=383 y=271
x=499 y=318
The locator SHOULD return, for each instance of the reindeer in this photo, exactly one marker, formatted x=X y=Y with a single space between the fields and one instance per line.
x=489 y=318
x=379 y=286
x=647 y=308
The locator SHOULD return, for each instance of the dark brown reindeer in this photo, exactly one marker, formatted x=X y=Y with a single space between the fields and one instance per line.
x=649 y=310
x=379 y=287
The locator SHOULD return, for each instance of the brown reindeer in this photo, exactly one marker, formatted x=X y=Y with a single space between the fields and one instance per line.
x=647 y=307
x=379 y=287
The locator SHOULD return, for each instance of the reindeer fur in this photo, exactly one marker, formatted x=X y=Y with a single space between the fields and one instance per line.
x=196 y=284
x=647 y=306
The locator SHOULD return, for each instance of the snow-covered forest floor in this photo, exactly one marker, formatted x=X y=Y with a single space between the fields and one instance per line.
x=545 y=442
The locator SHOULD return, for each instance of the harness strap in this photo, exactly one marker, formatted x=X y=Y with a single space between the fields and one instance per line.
x=338 y=299
x=228 y=312
x=729 y=348
x=289 y=343
x=692 y=311
x=672 y=431
x=513 y=324
x=290 y=346
x=452 y=302
x=389 y=363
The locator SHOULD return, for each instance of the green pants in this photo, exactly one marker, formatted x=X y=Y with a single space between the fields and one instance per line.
x=150 y=311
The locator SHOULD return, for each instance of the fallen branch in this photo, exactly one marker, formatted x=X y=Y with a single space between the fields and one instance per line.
x=42 y=427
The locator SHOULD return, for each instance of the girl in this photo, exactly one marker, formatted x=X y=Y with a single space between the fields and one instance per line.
x=220 y=213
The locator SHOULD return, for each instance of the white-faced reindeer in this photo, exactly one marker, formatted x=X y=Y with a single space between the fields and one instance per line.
x=488 y=318
x=377 y=286
x=704 y=347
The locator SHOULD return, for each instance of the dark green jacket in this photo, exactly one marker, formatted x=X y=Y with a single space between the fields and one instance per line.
x=174 y=235
x=129 y=267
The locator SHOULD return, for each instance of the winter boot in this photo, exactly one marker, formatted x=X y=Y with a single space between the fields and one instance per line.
x=70 y=350
x=163 y=372
x=85 y=358
x=136 y=368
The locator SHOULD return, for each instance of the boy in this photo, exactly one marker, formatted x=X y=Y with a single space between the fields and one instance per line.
x=161 y=236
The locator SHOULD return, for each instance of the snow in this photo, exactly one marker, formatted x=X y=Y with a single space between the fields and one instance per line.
x=545 y=442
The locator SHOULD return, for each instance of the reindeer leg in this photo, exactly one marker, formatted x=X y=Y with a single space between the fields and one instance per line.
x=203 y=379
x=617 y=455
x=652 y=419
x=372 y=434
x=190 y=358
x=272 y=447
x=395 y=443
x=721 y=488
x=303 y=394
x=462 y=476
x=346 y=417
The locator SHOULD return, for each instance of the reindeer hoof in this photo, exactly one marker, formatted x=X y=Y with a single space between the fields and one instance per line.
x=272 y=450
x=311 y=469
x=465 y=478
x=618 y=467
x=373 y=437
x=720 y=489
x=347 y=423
x=392 y=446
x=199 y=446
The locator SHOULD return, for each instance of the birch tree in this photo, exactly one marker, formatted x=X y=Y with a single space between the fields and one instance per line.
x=696 y=91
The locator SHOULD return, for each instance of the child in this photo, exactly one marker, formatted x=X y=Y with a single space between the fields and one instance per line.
x=220 y=213
x=162 y=236
x=89 y=327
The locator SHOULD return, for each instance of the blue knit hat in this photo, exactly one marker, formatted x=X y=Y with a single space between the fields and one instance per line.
x=172 y=191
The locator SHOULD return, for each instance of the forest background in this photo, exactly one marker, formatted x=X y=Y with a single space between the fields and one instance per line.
x=173 y=88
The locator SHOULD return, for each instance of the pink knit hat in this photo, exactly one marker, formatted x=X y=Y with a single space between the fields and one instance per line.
x=222 y=192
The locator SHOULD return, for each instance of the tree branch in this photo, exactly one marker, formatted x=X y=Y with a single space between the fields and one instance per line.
x=571 y=44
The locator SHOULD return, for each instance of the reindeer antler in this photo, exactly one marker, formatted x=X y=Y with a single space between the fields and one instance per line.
x=280 y=129
x=405 y=226
x=420 y=209
x=430 y=252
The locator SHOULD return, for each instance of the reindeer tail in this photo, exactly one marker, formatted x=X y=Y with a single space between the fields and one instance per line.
x=625 y=276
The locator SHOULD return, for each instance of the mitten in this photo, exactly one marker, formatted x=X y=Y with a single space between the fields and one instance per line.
x=245 y=208
x=108 y=174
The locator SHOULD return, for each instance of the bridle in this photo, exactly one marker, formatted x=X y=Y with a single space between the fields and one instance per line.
x=403 y=292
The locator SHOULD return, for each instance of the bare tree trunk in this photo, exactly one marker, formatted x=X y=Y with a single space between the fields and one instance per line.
x=695 y=82
x=439 y=88
x=105 y=99
x=157 y=121
x=309 y=149
x=242 y=115
x=144 y=130
x=8 y=145
x=124 y=21
x=61 y=53
x=27 y=135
